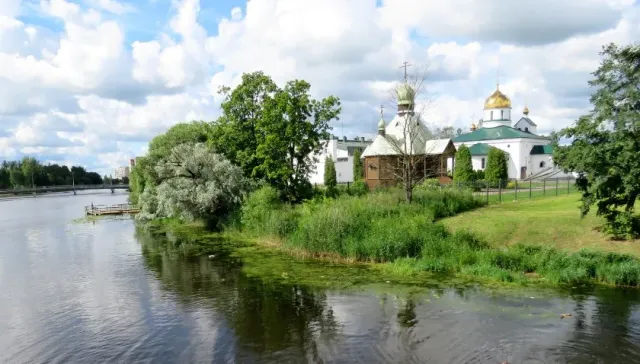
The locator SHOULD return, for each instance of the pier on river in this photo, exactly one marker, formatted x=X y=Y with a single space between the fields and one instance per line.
x=119 y=209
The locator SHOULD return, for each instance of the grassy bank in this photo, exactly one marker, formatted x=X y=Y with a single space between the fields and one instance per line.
x=553 y=222
x=382 y=228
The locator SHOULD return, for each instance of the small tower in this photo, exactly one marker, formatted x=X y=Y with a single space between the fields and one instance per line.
x=526 y=111
x=381 y=123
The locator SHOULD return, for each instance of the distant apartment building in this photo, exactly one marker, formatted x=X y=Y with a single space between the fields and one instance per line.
x=121 y=172
x=341 y=151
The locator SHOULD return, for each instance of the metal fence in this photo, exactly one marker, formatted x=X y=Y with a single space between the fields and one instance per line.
x=515 y=190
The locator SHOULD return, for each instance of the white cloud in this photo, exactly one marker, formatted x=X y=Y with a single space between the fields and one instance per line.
x=112 y=6
x=102 y=88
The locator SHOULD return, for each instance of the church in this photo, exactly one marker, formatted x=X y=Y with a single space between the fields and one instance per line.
x=529 y=154
x=406 y=139
x=403 y=146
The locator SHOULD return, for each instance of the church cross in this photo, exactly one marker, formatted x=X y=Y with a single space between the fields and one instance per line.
x=405 y=65
x=381 y=111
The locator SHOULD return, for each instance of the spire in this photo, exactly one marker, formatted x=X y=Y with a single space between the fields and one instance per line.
x=498 y=74
x=405 y=65
x=381 y=123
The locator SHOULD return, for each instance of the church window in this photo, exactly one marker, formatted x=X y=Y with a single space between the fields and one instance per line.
x=491 y=115
x=526 y=129
x=482 y=163
x=519 y=129
x=502 y=114
x=542 y=164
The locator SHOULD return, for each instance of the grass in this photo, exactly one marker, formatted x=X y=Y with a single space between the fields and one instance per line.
x=513 y=242
x=553 y=222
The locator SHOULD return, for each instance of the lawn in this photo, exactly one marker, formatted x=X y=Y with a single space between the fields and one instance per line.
x=551 y=221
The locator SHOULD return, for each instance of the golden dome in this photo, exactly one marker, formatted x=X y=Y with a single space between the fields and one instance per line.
x=526 y=110
x=497 y=100
x=473 y=127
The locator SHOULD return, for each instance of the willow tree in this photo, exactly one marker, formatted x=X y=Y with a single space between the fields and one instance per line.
x=606 y=141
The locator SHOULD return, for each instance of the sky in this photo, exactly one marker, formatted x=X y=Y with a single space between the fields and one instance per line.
x=90 y=82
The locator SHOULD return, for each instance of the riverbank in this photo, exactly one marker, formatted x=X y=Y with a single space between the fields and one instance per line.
x=401 y=239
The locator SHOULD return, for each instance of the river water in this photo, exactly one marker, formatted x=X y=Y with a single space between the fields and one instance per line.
x=101 y=291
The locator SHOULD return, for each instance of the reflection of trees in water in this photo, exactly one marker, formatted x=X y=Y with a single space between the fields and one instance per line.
x=265 y=317
x=601 y=330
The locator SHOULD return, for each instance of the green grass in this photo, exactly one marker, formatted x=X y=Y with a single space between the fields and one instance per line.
x=553 y=222
x=511 y=242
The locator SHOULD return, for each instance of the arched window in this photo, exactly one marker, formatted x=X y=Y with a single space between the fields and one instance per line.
x=491 y=115
x=526 y=129
x=501 y=114
x=542 y=164
x=482 y=163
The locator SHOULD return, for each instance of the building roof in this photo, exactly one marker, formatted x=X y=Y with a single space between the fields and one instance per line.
x=381 y=146
x=525 y=118
x=495 y=133
x=480 y=149
x=436 y=146
x=542 y=149
x=497 y=100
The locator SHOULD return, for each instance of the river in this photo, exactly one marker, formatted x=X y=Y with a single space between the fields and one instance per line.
x=103 y=291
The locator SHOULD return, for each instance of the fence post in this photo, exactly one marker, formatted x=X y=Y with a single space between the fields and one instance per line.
x=544 y=187
x=530 y=182
x=516 y=198
x=556 y=186
x=486 y=187
x=568 y=187
x=500 y=190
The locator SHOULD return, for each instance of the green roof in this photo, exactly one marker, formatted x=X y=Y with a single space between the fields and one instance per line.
x=496 y=133
x=480 y=149
x=542 y=149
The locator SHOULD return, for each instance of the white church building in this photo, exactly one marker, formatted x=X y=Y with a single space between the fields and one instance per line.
x=529 y=154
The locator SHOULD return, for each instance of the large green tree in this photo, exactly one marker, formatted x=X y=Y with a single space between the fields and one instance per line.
x=463 y=171
x=272 y=133
x=606 y=141
x=238 y=132
x=496 y=171
x=29 y=169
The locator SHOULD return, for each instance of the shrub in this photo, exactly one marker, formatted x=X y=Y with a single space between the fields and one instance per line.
x=497 y=170
x=463 y=172
x=358 y=169
x=330 y=179
x=430 y=184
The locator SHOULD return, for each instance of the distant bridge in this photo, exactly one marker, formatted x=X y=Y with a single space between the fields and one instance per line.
x=64 y=188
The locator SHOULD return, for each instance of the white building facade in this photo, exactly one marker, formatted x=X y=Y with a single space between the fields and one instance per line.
x=121 y=172
x=341 y=151
x=529 y=154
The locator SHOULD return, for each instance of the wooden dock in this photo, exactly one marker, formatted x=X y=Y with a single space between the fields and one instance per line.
x=100 y=210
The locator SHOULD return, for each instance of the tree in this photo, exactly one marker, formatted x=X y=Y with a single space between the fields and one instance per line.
x=273 y=133
x=330 y=179
x=237 y=133
x=605 y=142
x=413 y=161
x=29 y=168
x=144 y=174
x=358 y=169
x=445 y=133
x=463 y=172
x=197 y=184
x=496 y=171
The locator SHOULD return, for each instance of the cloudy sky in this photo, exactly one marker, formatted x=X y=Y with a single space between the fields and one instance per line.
x=91 y=81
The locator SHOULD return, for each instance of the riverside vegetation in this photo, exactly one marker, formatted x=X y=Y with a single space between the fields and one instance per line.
x=248 y=174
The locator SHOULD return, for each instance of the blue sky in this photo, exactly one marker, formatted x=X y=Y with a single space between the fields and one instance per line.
x=90 y=82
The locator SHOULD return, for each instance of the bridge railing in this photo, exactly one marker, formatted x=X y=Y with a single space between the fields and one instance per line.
x=63 y=188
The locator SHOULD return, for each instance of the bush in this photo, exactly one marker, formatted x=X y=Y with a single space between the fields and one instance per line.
x=264 y=213
x=497 y=169
x=430 y=184
x=463 y=172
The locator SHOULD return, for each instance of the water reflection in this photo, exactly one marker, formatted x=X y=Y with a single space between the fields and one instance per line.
x=111 y=291
x=282 y=322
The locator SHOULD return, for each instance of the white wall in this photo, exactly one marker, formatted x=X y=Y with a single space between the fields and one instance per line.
x=506 y=112
x=476 y=162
